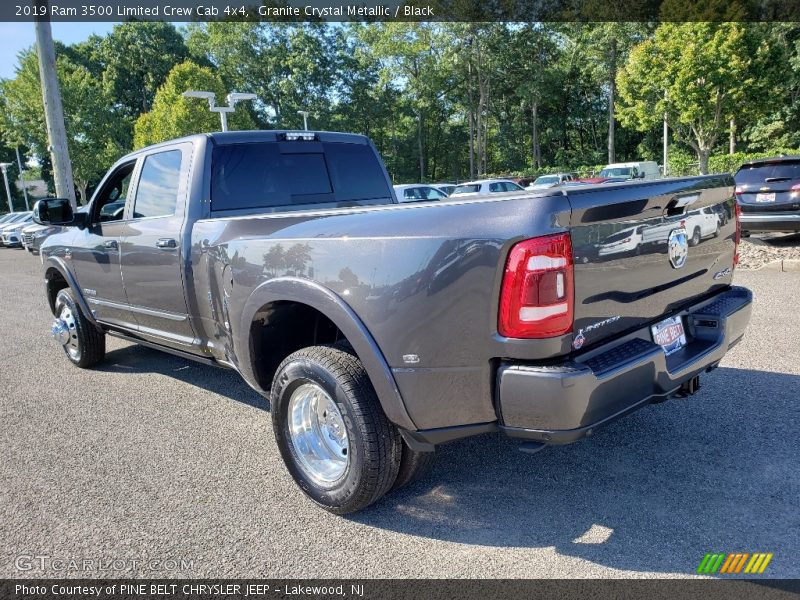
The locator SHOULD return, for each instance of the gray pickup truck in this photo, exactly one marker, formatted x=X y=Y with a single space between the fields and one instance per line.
x=377 y=329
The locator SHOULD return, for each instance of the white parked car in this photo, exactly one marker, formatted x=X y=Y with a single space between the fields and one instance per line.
x=699 y=224
x=485 y=186
x=547 y=181
x=644 y=169
x=626 y=241
x=418 y=192
x=11 y=233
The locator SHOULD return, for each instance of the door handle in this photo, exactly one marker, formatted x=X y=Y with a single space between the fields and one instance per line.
x=166 y=244
x=111 y=245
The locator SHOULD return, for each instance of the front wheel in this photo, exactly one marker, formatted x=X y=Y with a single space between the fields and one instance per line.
x=83 y=343
x=330 y=429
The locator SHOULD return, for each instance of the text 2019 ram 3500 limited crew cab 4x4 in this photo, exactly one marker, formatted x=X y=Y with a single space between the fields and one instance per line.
x=377 y=329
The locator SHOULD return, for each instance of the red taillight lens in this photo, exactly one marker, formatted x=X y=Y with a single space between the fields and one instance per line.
x=536 y=298
x=738 y=190
x=795 y=187
x=737 y=237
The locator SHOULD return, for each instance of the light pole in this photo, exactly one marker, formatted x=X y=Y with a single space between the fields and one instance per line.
x=223 y=111
x=666 y=137
x=22 y=180
x=305 y=118
x=4 y=167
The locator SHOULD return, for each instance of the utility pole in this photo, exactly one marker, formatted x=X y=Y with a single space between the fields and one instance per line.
x=4 y=167
x=53 y=109
x=22 y=180
x=223 y=111
x=666 y=135
x=305 y=118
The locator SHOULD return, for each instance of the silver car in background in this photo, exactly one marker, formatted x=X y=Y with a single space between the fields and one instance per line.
x=34 y=235
x=11 y=233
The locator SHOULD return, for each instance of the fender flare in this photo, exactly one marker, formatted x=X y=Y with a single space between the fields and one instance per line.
x=303 y=291
x=59 y=265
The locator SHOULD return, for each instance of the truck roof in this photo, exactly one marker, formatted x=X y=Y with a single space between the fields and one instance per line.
x=269 y=135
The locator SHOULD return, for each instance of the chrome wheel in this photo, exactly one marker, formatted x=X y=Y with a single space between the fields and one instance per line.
x=318 y=434
x=68 y=319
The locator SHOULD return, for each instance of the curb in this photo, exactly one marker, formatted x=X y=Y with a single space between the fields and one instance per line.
x=784 y=265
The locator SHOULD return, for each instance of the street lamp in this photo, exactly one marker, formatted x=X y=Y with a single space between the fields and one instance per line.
x=4 y=167
x=223 y=111
x=305 y=118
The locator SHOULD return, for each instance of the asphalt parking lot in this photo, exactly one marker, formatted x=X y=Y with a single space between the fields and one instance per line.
x=150 y=459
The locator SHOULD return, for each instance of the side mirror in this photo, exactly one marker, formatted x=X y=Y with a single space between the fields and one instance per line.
x=54 y=211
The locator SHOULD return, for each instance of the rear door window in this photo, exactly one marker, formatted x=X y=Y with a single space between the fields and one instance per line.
x=287 y=174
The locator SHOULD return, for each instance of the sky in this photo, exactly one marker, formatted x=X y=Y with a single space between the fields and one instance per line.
x=19 y=36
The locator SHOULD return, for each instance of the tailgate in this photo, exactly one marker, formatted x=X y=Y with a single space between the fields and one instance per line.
x=633 y=263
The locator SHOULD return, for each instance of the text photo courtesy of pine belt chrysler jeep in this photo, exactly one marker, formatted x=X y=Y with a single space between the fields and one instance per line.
x=378 y=329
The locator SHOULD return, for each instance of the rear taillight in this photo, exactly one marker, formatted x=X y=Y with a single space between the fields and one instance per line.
x=536 y=298
x=737 y=237
x=738 y=190
x=794 y=189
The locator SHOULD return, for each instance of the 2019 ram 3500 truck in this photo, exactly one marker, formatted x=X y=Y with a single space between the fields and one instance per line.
x=377 y=329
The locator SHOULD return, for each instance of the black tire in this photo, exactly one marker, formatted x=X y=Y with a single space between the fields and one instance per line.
x=695 y=237
x=375 y=447
x=414 y=466
x=91 y=343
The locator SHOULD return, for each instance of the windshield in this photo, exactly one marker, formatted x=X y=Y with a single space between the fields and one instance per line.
x=467 y=189
x=546 y=180
x=616 y=172
x=762 y=173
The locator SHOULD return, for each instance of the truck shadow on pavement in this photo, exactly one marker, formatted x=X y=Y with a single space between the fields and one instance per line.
x=225 y=382
x=653 y=492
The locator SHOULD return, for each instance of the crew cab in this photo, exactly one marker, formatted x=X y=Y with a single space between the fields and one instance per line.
x=379 y=330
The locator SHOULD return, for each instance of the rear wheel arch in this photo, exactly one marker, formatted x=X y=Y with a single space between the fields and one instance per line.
x=54 y=282
x=289 y=297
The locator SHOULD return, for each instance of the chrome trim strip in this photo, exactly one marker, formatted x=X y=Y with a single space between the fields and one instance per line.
x=767 y=218
x=139 y=309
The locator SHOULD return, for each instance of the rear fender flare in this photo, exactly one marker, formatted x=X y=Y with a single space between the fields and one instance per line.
x=293 y=289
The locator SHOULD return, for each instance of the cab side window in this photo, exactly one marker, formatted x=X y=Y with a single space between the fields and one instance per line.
x=157 y=192
x=110 y=202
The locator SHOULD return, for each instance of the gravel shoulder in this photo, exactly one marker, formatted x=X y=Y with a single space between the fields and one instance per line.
x=760 y=250
x=151 y=457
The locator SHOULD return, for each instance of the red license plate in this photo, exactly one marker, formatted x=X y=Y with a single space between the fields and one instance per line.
x=669 y=334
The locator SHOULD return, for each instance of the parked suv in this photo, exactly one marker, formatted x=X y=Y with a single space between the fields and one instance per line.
x=768 y=193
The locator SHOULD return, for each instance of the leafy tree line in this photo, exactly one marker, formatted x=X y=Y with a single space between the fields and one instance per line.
x=440 y=101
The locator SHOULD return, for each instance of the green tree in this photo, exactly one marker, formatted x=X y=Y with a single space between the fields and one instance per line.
x=135 y=59
x=701 y=75
x=289 y=66
x=95 y=134
x=174 y=116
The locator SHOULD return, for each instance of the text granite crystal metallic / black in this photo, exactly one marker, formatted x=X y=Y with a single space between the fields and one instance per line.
x=378 y=329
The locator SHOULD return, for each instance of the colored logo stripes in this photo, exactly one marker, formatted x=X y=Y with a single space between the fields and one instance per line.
x=735 y=562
